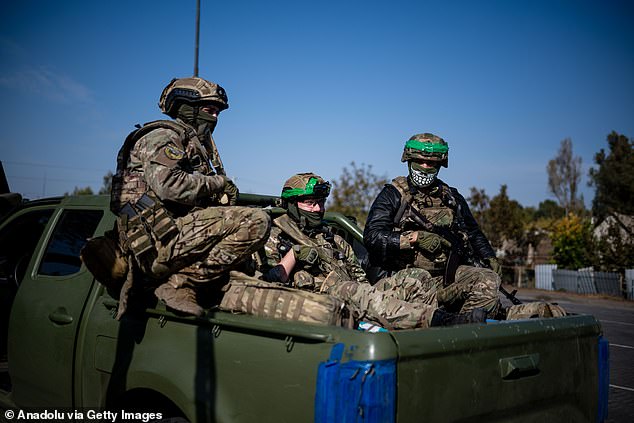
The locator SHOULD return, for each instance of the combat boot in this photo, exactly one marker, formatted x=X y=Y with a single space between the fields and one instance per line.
x=444 y=318
x=182 y=299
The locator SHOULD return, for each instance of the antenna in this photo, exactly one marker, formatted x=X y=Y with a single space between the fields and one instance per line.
x=197 y=37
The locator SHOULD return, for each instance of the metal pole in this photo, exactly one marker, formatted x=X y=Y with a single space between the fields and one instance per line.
x=197 y=37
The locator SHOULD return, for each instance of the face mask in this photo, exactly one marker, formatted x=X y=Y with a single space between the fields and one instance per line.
x=197 y=118
x=306 y=219
x=422 y=176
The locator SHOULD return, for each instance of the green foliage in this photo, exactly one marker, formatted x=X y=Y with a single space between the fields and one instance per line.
x=614 y=178
x=80 y=191
x=614 y=250
x=505 y=218
x=549 y=209
x=355 y=190
x=107 y=184
x=572 y=242
x=499 y=218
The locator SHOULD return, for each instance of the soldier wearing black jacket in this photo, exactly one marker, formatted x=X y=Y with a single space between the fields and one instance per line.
x=419 y=221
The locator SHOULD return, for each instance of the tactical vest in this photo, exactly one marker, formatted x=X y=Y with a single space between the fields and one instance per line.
x=329 y=260
x=128 y=184
x=143 y=219
x=439 y=207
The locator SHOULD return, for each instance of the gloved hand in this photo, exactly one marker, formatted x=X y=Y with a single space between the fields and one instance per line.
x=305 y=254
x=431 y=242
x=495 y=265
x=230 y=190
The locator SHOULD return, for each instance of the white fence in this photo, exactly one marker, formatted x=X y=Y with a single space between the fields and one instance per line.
x=548 y=277
x=544 y=276
x=587 y=282
x=629 y=283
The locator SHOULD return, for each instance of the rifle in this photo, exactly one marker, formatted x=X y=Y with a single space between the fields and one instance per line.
x=458 y=250
x=457 y=253
x=510 y=295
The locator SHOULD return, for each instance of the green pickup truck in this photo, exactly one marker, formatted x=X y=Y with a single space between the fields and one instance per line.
x=61 y=347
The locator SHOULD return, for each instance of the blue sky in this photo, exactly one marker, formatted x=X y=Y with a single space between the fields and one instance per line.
x=315 y=85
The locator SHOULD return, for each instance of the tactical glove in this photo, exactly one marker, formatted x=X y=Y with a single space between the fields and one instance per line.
x=305 y=254
x=495 y=265
x=431 y=242
x=230 y=190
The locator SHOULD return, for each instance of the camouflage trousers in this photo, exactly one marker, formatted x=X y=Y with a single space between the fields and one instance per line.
x=390 y=300
x=211 y=242
x=474 y=287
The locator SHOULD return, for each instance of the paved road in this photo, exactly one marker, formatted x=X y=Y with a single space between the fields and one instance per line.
x=617 y=319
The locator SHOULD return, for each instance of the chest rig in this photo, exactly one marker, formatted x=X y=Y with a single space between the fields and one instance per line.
x=331 y=262
x=143 y=220
x=438 y=208
x=128 y=183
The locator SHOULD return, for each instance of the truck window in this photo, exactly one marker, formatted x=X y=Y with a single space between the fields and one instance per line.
x=61 y=257
x=18 y=240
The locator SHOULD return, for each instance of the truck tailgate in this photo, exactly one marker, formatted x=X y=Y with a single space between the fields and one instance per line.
x=507 y=371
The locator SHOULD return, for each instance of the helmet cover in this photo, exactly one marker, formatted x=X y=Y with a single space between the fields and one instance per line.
x=426 y=147
x=305 y=185
x=194 y=91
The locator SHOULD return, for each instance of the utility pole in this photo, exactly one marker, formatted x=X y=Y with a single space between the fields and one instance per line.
x=197 y=37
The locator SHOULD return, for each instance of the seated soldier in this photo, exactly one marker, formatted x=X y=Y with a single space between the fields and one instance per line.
x=303 y=252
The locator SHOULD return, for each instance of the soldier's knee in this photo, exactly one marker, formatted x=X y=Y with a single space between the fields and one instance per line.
x=258 y=224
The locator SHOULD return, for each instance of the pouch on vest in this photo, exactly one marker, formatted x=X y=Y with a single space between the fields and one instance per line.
x=105 y=261
x=147 y=223
x=245 y=294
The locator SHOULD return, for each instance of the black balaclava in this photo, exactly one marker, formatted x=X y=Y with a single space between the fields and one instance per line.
x=305 y=219
x=196 y=117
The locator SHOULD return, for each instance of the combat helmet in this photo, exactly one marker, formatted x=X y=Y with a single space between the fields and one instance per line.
x=191 y=90
x=305 y=185
x=426 y=147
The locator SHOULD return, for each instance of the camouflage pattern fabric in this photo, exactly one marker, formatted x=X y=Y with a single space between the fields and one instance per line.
x=212 y=241
x=337 y=255
x=171 y=163
x=412 y=285
x=383 y=307
x=245 y=294
x=474 y=287
x=385 y=304
x=535 y=310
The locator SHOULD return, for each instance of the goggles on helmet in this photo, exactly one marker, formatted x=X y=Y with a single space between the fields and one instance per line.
x=312 y=189
x=427 y=147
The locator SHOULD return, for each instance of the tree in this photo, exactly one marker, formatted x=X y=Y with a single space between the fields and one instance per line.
x=479 y=202
x=572 y=242
x=107 y=184
x=80 y=191
x=564 y=174
x=549 y=209
x=355 y=190
x=614 y=178
x=504 y=220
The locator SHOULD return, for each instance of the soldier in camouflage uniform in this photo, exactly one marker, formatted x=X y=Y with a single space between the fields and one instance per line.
x=303 y=252
x=420 y=222
x=168 y=190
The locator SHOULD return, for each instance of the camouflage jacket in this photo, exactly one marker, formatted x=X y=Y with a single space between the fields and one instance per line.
x=335 y=255
x=168 y=159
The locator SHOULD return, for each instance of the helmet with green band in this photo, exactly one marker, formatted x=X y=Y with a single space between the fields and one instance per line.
x=426 y=147
x=305 y=185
